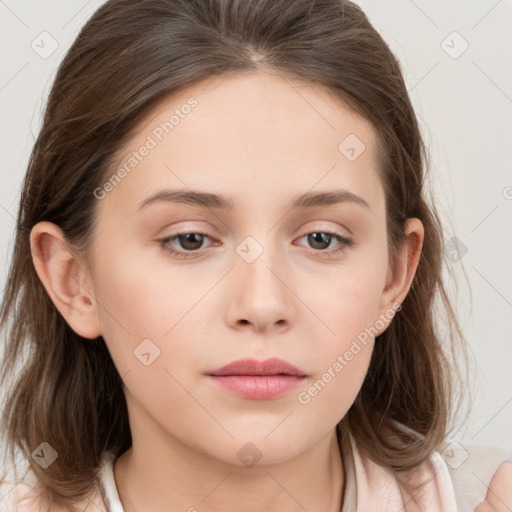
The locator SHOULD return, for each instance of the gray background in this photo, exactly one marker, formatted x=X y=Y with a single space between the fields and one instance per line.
x=463 y=100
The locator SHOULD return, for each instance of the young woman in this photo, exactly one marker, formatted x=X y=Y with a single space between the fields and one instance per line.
x=225 y=270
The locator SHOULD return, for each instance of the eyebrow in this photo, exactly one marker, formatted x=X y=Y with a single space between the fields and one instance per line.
x=215 y=201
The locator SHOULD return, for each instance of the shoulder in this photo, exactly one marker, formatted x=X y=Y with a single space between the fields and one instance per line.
x=17 y=497
x=481 y=476
x=428 y=486
x=24 y=494
x=24 y=497
x=424 y=487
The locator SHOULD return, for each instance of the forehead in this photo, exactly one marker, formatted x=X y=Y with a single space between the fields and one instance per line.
x=259 y=132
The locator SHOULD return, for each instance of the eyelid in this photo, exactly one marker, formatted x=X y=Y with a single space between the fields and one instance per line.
x=345 y=243
x=316 y=228
x=327 y=226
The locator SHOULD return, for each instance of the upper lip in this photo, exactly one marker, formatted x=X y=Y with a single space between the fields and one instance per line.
x=273 y=366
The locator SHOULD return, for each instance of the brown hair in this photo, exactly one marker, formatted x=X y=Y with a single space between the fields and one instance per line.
x=130 y=55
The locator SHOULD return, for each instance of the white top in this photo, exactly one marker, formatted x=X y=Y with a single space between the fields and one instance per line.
x=455 y=480
x=109 y=491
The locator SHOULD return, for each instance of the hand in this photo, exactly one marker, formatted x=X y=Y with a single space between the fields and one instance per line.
x=499 y=493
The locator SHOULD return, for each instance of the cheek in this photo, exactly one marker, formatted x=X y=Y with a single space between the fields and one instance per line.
x=347 y=306
x=137 y=304
x=347 y=300
x=330 y=394
x=342 y=357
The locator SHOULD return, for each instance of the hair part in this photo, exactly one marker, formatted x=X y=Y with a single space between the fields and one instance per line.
x=130 y=55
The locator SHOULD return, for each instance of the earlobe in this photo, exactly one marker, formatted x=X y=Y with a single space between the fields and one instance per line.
x=64 y=279
x=401 y=274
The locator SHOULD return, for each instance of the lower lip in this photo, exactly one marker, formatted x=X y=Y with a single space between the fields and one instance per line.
x=257 y=387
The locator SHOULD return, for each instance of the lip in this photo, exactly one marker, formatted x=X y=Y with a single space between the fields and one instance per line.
x=258 y=380
x=272 y=366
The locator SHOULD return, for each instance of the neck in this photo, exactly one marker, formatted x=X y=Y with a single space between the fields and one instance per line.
x=179 y=478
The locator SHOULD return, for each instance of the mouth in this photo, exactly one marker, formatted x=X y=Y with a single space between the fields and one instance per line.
x=253 y=367
x=257 y=380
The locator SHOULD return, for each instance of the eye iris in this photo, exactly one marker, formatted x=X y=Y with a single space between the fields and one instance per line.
x=193 y=238
x=319 y=238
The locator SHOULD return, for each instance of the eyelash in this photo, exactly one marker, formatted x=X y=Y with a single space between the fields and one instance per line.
x=345 y=243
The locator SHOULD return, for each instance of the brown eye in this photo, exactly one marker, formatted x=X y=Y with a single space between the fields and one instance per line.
x=187 y=244
x=321 y=240
x=191 y=241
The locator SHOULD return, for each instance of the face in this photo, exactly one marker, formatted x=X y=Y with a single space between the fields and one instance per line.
x=184 y=287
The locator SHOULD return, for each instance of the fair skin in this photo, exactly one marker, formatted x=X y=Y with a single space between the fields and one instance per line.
x=499 y=493
x=261 y=142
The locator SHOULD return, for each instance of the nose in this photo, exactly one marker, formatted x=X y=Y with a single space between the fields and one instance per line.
x=261 y=295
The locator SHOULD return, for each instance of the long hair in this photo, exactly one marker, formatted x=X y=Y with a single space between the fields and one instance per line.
x=64 y=389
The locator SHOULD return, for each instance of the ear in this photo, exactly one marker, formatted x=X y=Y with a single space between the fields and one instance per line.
x=401 y=272
x=65 y=278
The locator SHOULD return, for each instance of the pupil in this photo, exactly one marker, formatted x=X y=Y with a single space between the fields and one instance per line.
x=189 y=238
x=320 y=238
